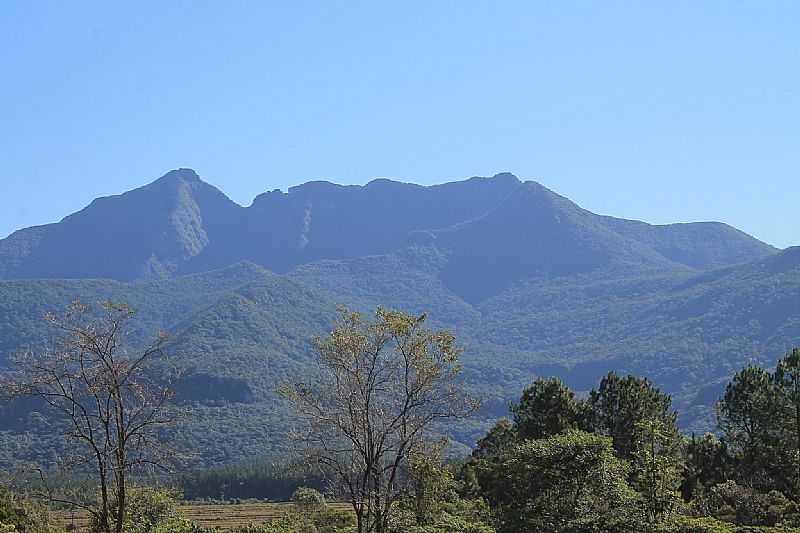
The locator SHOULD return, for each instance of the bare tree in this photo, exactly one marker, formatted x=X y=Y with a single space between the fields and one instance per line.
x=380 y=387
x=113 y=402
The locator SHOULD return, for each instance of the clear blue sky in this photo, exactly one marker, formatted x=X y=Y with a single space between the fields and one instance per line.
x=661 y=111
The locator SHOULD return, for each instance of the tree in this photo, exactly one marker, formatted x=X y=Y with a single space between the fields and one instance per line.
x=21 y=515
x=787 y=380
x=706 y=463
x=501 y=438
x=379 y=388
x=743 y=505
x=309 y=499
x=617 y=406
x=748 y=417
x=154 y=510
x=480 y=473
x=432 y=503
x=656 y=469
x=569 y=482
x=109 y=394
x=10 y=513
x=546 y=408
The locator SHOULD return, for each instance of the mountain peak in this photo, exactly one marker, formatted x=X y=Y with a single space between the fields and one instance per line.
x=180 y=174
x=180 y=224
x=505 y=176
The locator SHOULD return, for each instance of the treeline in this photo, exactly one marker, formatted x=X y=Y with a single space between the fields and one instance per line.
x=612 y=462
x=261 y=480
x=616 y=461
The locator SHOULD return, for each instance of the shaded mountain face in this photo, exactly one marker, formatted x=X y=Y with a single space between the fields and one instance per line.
x=493 y=232
x=149 y=232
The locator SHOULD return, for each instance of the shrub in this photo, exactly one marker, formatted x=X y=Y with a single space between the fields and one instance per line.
x=684 y=524
x=309 y=499
x=23 y=516
x=740 y=505
x=152 y=510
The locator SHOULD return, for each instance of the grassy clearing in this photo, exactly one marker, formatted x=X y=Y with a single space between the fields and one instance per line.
x=219 y=515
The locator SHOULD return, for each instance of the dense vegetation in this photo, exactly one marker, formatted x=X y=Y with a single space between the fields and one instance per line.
x=688 y=333
x=613 y=461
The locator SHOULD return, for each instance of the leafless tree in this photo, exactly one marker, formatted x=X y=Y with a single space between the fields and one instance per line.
x=110 y=396
x=379 y=388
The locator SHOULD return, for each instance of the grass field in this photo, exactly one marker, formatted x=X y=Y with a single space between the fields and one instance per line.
x=222 y=515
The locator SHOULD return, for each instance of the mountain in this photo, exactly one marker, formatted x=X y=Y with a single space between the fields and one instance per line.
x=150 y=232
x=179 y=224
x=496 y=230
x=531 y=284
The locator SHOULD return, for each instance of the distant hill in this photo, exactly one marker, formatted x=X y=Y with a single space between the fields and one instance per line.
x=531 y=283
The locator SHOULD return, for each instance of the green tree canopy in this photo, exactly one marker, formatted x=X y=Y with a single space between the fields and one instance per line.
x=547 y=408
x=619 y=404
x=569 y=482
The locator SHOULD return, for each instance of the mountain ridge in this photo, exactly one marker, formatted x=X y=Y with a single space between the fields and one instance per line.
x=179 y=224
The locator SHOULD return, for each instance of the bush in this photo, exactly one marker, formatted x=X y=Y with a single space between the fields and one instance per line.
x=325 y=521
x=684 y=524
x=309 y=499
x=152 y=510
x=23 y=516
x=10 y=513
x=740 y=505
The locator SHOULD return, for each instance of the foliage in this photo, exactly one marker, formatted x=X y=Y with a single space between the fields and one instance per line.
x=656 y=469
x=432 y=503
x=760 y=418
x=23 y=515
x=380 y=387
x=308 y=499
x=689 y=332
x=546 y=408
x=255 y=479
x=707 y=462
x=787 y=381
x=742 y=505
x=564 y=483
x=152 y=510
x=500 y=439
x=684 y=524
x=618 y=407
x=748 y=419
x=10 y=513
x=112 y=402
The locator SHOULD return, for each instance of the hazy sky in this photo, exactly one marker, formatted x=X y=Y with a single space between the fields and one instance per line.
x=661 y=111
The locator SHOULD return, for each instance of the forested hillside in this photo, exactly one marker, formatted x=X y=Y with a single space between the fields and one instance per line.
x=531 y=284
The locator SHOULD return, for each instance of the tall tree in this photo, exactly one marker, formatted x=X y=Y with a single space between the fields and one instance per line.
x=748 y=416
x=546 y=408
x=787 y=380
x=380 y=387
x=657 y=469
x=707 y=462
x=617 y=406
x=114 y=402
x=500 y=438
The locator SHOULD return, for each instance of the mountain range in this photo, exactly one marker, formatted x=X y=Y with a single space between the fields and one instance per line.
x=531 y=283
